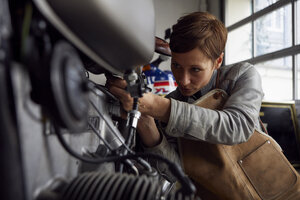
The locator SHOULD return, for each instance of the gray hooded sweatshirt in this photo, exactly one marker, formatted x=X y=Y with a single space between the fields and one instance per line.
x=234 y=124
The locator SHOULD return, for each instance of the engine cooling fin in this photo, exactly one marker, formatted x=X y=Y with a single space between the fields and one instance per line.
x=106 y=186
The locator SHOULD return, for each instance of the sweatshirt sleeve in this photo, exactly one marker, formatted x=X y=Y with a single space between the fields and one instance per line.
x=167 y=148
x=234 y=124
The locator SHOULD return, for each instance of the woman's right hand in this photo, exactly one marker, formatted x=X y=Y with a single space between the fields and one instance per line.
x=150 y=104
x=117 y=87
x=146 y=126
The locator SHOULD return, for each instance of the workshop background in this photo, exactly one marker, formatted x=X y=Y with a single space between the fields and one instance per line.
x=38 y=112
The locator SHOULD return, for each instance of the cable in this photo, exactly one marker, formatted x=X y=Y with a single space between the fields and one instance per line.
x=110 y=127
x=91 y=85
x=142 y=161
x=128 y=162
x=99 y=136
x=187 y=186
x=134 y=155
x=132 y=126
x=131 y=123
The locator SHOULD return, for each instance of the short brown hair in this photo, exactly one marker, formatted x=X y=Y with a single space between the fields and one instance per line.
x=199 y=29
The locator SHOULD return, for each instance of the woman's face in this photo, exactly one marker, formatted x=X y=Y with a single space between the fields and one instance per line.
x=193 y=70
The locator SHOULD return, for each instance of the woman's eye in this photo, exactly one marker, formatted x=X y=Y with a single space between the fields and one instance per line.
x=195 y=69
x=175 y=65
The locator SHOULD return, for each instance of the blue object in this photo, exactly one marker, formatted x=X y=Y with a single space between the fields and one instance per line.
x=161 y=82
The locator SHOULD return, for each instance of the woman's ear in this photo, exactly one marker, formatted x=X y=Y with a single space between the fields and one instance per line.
x=219 y=61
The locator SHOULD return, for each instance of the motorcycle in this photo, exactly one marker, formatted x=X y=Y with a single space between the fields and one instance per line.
x=61 y=133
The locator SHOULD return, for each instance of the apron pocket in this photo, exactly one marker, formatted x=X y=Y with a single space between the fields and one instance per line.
x=268 y=171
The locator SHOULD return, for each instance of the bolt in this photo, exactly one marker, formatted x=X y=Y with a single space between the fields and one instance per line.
x=132 y=77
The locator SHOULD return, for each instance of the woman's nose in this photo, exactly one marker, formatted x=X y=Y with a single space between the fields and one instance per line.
x=184 y=79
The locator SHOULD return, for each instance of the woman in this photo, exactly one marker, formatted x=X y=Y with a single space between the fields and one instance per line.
x=197 y=43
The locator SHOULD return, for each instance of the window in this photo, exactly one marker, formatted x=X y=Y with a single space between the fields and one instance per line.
x=298 y=74
x=267 y=35
x=236 y=51
x=277 y=79
x=273 y=31
x=297 y=13
x=237 y=10
x=261 y=4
